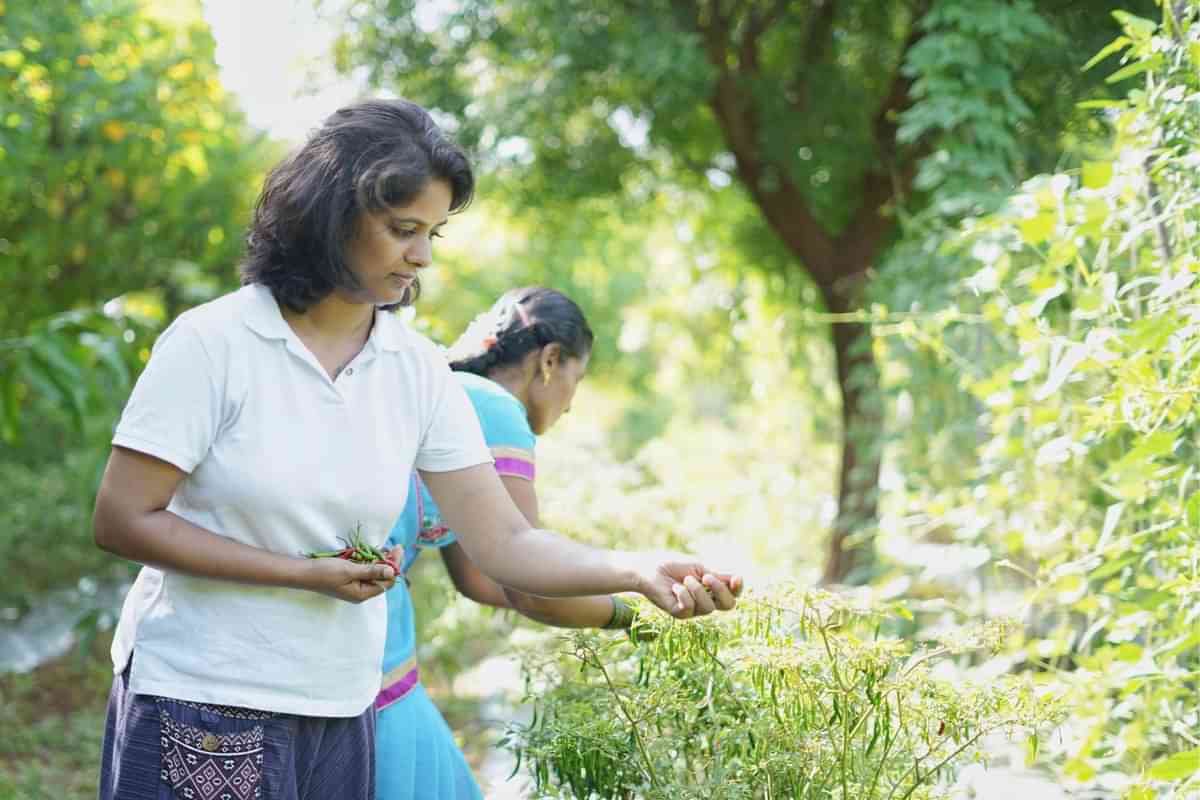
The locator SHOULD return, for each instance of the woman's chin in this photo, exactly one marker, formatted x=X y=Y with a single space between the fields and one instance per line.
x=388 y=297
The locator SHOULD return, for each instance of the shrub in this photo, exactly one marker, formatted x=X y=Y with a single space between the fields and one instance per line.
x=795 y=694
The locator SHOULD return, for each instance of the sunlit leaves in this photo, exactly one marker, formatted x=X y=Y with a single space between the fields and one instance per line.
x=1094 y=423
x=807 y=693
x=1176 y=767
x=119 y=154
x=965 y=71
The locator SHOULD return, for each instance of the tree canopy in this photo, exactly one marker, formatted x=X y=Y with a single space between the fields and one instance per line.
x=122 y=159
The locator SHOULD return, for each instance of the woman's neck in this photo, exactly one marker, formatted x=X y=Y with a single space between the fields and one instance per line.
x=332 y=319
x=514 y=381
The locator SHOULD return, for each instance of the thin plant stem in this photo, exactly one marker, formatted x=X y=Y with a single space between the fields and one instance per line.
x=633 y=725
x=945 y=760
x=887 y=747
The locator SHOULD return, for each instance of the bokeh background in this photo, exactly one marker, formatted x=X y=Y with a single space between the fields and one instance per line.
x=898 y=297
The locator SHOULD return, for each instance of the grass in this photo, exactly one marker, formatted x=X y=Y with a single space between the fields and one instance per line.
x=53 y=723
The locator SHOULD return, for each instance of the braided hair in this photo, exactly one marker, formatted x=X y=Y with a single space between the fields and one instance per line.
x=521 y=321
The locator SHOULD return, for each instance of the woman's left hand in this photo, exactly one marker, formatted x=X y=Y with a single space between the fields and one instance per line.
x=684 y=588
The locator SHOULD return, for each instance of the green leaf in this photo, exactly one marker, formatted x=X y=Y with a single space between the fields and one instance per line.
x=40 y=383
x=1097 y=174
x=1177 y=646
x=1159 y=443
x=1192 y=510
x=1136 y=68
x=1116 y=45
x=1112 y=516
x=9 y=409
x=1090 y=301
x=1176 y=767
x=1151 y=333
x=1080 y=770
x=1135 y=26
x=55 y=368
x=53 y=351
x=1037 y=229
x=109 y=353
x=1128 y=651
x=1111 y=567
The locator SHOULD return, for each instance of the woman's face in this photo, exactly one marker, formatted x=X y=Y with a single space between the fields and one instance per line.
x=390 y=246
x=549 y=400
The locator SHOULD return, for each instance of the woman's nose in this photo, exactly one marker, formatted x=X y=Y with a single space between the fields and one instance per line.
x=420 y=253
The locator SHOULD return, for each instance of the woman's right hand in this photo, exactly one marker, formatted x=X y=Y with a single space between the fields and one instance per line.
x=682 y=586
x=346 y=580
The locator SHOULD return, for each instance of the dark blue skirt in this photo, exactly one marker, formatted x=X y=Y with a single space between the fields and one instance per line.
x=156 y=748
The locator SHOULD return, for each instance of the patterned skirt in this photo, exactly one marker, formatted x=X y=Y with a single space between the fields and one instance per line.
x=158 y=748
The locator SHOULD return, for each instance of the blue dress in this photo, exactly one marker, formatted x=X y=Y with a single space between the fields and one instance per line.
x=416 y=755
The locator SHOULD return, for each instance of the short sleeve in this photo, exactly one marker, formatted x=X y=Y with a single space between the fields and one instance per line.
x=452 y=438
x=174 y=411
x=507 y=433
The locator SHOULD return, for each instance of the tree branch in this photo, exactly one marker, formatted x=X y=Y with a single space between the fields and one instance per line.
x=759 y=22
x=892 y=176
x=781 y=202
x=820 y=35
x=819 y=32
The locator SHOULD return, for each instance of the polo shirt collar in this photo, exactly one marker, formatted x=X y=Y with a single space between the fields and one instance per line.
x=387 y=334
x=264 y=318
x=262 y=314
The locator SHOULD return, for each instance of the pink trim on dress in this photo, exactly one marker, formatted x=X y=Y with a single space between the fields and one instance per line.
x=397 y=683
x=518 y=467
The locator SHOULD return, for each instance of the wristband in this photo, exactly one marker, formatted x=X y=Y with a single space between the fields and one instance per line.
x=622 y=616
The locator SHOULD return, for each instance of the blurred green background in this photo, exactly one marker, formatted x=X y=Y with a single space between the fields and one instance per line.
x=897 y=296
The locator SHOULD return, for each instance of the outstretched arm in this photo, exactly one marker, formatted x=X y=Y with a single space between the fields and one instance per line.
x=498 y=539
x=563 y=612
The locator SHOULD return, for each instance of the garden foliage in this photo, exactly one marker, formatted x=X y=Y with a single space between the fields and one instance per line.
x=1064 y=361
x=1075 y=339
x=796 y=694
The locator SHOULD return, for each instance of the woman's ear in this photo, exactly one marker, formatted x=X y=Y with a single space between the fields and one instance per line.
x=550 y=356
x=548 y=360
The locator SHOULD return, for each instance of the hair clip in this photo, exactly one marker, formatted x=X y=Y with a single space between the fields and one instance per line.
x=522 y=313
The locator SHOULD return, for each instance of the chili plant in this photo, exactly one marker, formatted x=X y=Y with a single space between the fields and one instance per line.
x=796 y=694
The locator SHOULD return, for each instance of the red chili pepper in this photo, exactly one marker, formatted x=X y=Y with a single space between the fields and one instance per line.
x=358 y=551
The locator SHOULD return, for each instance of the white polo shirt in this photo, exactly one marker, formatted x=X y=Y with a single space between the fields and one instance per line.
x=280 y=457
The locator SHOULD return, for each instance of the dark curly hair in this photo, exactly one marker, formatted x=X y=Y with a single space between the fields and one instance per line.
x=366 y=157
x=521 y=321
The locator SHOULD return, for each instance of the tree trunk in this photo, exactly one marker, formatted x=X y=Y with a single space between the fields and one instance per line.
x=839 y=262
x=851 y=543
